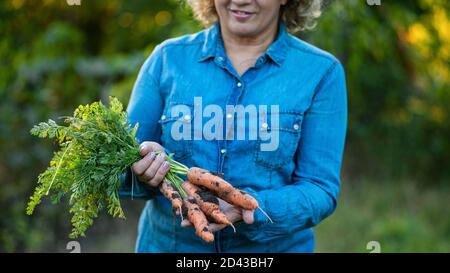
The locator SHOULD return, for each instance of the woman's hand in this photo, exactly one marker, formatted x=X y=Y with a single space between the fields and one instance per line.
x=151 y=169
x=234 y=214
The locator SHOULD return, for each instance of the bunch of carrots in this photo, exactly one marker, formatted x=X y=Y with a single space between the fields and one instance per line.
x=197 y=198
x=97 y=144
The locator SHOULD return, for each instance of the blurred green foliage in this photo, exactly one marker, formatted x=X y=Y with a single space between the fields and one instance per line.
x=398 y=73
x=405 y=218
x=54 y=57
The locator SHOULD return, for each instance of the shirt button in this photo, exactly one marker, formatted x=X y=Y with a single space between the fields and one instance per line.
x=187 y=117
x=229 y=116
x=222 y=151
x=265 y=125
x=220 y=59
x=296 y=126
x=163 y=117
x=239 y=84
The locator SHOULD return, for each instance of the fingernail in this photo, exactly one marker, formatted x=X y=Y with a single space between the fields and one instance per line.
x=152 y=155
x=165 y=165
x=161 y=155
x=141 y=148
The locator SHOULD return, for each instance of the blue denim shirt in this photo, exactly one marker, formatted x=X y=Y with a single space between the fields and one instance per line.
x=297 y=184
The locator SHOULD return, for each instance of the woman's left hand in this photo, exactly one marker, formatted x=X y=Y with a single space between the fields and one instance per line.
x=234 y=214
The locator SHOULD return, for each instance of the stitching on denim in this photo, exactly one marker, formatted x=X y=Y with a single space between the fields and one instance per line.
x=296 y=134
x=186 y=151
x=325 y=77
x=264 y=163
x=325 y=55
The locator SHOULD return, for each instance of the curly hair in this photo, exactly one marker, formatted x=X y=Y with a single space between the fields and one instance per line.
x=297 y=14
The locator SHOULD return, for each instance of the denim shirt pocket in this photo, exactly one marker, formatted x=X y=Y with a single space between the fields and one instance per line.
x=177 y=129
x=289 y=133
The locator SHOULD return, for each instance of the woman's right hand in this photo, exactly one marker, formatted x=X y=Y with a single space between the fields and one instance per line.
x=152 y=168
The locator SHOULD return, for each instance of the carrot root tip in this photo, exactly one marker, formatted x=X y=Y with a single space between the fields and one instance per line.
x=265 y=214
x=181 y=213
x=234 y=229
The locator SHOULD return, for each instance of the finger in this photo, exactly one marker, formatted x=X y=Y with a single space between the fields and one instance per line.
x=186 y=223
x=142 y=165
x=153 y=167
x=144 y=148
x=223 y=204
x=216 y=227
x=248 y=216
x=149 y=146
x=159 y=176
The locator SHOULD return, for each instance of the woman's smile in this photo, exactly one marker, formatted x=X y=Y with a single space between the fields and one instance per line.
x=248 y=19
x=241 y=15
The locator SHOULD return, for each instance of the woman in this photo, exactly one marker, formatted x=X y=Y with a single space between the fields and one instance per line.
x=245 y=58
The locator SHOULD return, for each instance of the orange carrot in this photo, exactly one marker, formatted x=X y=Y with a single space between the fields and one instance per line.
x=170 y=193
x=198 y=219
x=204 y=178
x=223 y=189
x=239 y=199
x=207 y=202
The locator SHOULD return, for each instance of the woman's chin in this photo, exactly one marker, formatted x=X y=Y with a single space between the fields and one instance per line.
x=242 y=30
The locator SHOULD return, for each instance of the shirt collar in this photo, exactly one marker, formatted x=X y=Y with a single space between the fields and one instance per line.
x=276 y=52
x=212 y=38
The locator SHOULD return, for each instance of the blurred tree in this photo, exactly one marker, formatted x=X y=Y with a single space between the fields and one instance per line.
x=54 y=57
x=396 y=57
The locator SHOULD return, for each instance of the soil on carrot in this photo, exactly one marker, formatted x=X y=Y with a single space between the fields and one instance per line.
x=175 y=195
x=207 y=196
